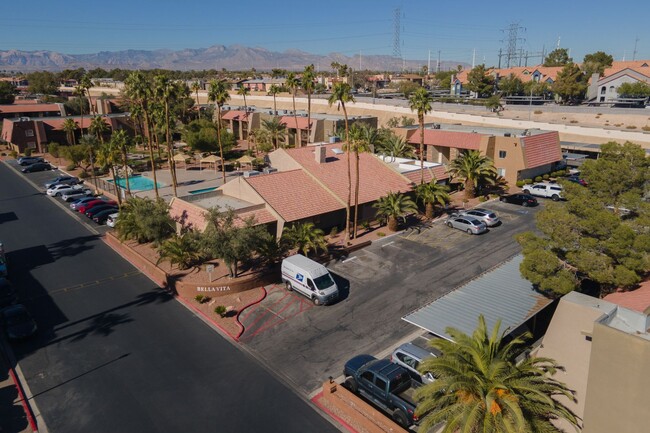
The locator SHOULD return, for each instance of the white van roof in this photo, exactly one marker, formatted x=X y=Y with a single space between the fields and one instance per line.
x=304 y=263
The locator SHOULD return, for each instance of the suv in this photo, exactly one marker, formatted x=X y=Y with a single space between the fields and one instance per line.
x=548 y=190
x=62 y=180
x=409 y=356
x=37 y=166
x=27 y=160
x=487 y=216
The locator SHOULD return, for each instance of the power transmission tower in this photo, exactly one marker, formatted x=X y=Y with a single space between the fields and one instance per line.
x=397 y=45
x=512 y=40
x=636 y=41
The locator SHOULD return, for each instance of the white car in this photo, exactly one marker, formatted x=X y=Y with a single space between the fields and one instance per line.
x=548 y=190
x=112 y=219
x=58 y=190
x=75 y=193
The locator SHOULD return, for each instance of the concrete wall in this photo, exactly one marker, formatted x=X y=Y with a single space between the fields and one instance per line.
x=618 y=396
x=513 y=163
x=240 y=189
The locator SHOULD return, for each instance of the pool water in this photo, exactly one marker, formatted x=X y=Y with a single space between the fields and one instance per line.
x=137 y=183
x=199 y=191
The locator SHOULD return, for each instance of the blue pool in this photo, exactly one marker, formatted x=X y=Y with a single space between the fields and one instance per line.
x=200 y=191
x=137 y=183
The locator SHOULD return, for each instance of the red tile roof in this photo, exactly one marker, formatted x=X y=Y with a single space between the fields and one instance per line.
x=290 y=121
x=638 y=300
x=57 y=124
x=640 y=66
x=437 y=173
x=376 y=178
x=541 y=149
x=453 y=139
x=29 y=108
x=234 y=115
x=190 y=214
x=262 y=216
x=294 y=195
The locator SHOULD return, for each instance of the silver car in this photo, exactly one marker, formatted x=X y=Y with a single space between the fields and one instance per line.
x=410 y=356
x=467 y=224
x=487 y=216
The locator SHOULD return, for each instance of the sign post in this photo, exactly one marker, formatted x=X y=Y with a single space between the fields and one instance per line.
x=209 y=269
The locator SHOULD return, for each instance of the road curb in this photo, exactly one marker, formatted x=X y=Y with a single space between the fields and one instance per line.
x=241 y=310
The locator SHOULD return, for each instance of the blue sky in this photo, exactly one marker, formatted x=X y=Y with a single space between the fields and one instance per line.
x=454 y=28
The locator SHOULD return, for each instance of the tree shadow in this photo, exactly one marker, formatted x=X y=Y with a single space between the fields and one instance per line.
x=7 y=217
x=71 y=247
x=12 y=415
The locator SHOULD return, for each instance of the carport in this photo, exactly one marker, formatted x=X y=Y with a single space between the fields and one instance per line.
x=501 y=293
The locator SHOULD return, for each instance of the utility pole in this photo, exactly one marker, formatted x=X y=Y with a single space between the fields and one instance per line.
x=500 y=58
x=429 y=64
x=636 y=41
x=473 y=58
x=438 y=64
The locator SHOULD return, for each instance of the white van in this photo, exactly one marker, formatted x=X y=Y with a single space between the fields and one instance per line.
x=309 y=278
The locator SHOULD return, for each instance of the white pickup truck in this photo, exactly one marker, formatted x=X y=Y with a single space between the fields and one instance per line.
x=548 y=190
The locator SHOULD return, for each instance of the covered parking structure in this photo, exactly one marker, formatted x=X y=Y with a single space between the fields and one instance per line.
x=499 y=294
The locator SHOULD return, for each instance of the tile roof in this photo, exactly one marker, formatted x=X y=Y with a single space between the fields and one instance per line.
x=294 y=195
x=57 y=123
x=191 y=214
x=376 y=178
x=262 y=216
x=234 y=115
x=638 y=300
x=29 y=108
x=453 y=139
x=437 y=173
x=541 y=149
x=636 y=65
x=290 y=121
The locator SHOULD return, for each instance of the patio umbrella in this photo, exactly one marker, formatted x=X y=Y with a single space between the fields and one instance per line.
x=210 y=159
x=246 y=160
x=181 y=157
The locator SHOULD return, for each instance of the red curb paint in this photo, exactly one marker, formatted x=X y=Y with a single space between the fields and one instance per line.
x=23 y=400
x=316 y=401
x=242 y=309
x=205 y=316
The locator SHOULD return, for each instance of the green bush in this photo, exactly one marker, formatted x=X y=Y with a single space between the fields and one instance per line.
x=70 y=167
x=381 y=234
x=519 y=183
x=83 y=175
x=482 y=199
x=13 y=154
x=538 y=178
x=366 y=225
x=28 y=151
x=545 y=176
x=528 y=181
x=53 y=149
x=199 y=298
x=220 y=310
x=334 y=231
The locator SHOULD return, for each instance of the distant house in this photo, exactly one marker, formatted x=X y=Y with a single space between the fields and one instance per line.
x=30 y=109
x=411 y=78
x=323 y=126
x=537 y=74
x=263 y=84
x=605 y=88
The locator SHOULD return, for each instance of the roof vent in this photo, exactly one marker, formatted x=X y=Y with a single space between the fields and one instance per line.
x=251 y=173
x=320 y=153
x=337 y=151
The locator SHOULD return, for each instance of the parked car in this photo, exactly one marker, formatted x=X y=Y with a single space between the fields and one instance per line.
x=75 y=194
x=112 y=219
x=409 y=356
x=97 y=202
x=576 y=179
x=548 y=190
x=309 y=278
x=38 y=166
x=487 y=216
x=520 y=199
x=17 y=322
x=101 y=217
x=61 y=188
x=7 y=293
x=467 y=224
x=386 y=384
x=97 y=209
x=28 y=160
x=65 y=180
x=80 y=201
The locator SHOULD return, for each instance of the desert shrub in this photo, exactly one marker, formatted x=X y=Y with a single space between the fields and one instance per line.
x=381 y=234
x=646 y=128
x=365 y=224
x=483 y=198
x=538 y=178
x=199 y=298
x=519 y=183
x=28 y=151
x=573 y=121
x=528 y=181
x=13 y=154
x=70 y=167
x=537 y=112
x=630 y=127
x=545 y=176
x=83 y=175
x=53 y=149
x=220 y=310
x=334 y=231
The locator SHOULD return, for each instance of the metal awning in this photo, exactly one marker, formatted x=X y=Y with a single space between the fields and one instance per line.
x=501 y=293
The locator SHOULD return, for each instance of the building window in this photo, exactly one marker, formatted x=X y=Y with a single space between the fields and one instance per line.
x=502 y=154
x=612 y=89
x=603 y=90
x=29 y=133
x=501 y=172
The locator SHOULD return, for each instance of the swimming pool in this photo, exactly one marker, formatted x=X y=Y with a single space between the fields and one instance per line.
x=200 y=191
x=137 y=183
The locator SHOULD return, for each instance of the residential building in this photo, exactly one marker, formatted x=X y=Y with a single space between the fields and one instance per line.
x=263 y=84
x=411 y=78
x=604 y=88
x=30 y=109
x=323 y=127
x=538 y=74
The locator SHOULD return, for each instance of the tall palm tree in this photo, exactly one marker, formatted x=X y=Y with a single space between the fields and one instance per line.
x=70 y=126
x=393 y=206
x=120 y=141
x=431 y=194
x=138 y=90
x=308 y=77
x=472 y=168
x=292 y=83
x=362 y=139
x=92 y=142
x=109 y=155
x=274 y=90
x=81 y=93
x=85 y=83
x=420 y=102
x=276 y=129
x=480 y=387
x=341 y=93
x=218 y=93
x=98 y=127
x=243 y=92
x=305 y=237
x=196 y=86
x=165 y=91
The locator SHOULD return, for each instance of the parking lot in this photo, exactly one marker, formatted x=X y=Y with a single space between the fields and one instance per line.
x=381 y=283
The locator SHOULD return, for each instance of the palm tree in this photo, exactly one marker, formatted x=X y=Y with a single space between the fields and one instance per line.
x=218 y=93
x=396 y=147
x=393 y=206
x=98 y=127
x=420 y=101
x=243 y=91
x=308 y=85
x=480 y=387
x=276 y=129
x=341 y=94
x=109 y=155
x=472 y=168
x=274 y=90
x=362 y=139
x=431 y=194
x=196 y=86
x=85 y=83
x=165 y=91
x=91 y=142
x=292 y=83
x=81 y=92
x=138 y=90
x=182 y=250
x=120 y=141
x=305 y=237
x=70 y=126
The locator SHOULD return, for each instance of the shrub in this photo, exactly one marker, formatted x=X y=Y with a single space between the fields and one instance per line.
x=519 y=183
x=545 y=176
x=145 y=220
x=381 y=234
x=573 y=121
x=538 y=178
x=483 y=199
x=70 y=167
x=13 y=154
x=53 y=149
x=221 y=310
x=646 y=128
x=528 y=181
x=537 y=112
x=366 y=225
x=630 y=127
x=199 y=298
x=28 y=151
x=334 y=232
x=83 y=175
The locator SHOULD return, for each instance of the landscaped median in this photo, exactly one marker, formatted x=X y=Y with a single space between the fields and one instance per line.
x=217 y=297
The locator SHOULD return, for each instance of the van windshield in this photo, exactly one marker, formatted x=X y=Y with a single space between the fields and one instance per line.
x=323 y=282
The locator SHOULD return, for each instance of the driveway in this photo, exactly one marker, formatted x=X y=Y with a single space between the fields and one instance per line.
x=381 y=284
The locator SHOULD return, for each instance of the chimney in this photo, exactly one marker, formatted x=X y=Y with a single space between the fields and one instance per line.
x=321 y=154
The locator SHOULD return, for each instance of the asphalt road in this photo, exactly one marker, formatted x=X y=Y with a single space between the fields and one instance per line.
x=385 y=281
x=116 y=354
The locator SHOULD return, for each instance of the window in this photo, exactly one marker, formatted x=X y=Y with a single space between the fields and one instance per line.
x=612 y=89
x=603 y=90
x=367 y=375
x=501 y=172
x=502 y=154
x=29 y=133
x=310 y=284
x=381 y=383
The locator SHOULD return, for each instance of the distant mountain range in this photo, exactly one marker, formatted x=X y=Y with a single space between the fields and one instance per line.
x=234 y=57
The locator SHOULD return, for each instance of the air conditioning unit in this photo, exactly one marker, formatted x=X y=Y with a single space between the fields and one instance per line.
x=252 y=173
x=268 y=170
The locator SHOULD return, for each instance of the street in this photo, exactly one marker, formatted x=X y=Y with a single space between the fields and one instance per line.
x=114 y=353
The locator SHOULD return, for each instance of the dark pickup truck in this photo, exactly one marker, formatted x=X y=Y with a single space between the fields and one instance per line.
x=384 y=383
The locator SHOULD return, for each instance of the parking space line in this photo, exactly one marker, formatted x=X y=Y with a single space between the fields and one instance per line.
x=348 y=259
